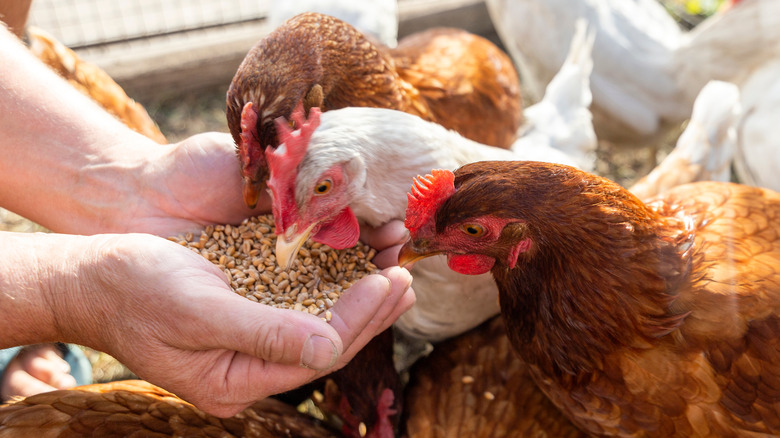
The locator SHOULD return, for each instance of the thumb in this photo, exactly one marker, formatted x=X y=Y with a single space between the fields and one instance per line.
x=282 y=336
x=386 y=235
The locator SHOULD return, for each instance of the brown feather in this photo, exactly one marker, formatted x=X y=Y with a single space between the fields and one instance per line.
x=476 y=386
x=138 y=408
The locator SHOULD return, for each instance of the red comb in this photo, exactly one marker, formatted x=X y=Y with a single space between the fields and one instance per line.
x=426 y=195
x=283 y=160
x=292 y=144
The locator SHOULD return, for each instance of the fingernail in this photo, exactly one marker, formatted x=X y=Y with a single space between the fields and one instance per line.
x=404 y=238
x=319 y=353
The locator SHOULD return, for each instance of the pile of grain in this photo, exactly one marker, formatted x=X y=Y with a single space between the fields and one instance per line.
x=313 y=283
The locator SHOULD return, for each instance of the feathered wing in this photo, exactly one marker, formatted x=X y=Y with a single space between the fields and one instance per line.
x=476 y=386
x=462 y=81
x=718 y=373
x=705 y=150
x=138 y=408
x=559 y=128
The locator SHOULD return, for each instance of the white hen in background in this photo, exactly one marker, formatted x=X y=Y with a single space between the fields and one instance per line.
x=705 y=150
x=757 y=160
x=561 y=123
x=647 y=71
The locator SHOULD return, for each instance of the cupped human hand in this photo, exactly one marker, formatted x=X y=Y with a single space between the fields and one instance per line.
x=170 y=316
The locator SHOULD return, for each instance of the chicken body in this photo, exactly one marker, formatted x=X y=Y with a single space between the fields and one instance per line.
x=475 y=385
x=450 y=76
x=647 y=71
x=658 y=319
x=138 y=408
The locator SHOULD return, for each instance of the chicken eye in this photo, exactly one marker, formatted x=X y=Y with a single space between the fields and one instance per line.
x=323 y=187
x=474 y=230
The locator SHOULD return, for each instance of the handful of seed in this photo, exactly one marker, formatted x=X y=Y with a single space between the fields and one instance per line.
x=314 y=282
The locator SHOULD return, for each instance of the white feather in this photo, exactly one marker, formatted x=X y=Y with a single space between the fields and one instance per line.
x=757 y=161
x=559 y=128
x=705 y=149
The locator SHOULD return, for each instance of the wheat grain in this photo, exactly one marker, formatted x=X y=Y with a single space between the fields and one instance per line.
x=314 y=282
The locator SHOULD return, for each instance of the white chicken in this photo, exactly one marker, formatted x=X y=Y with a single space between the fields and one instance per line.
x=705 y=150
x=757 y=159
x=559 y=128
x=647 y=71
x=359 y=162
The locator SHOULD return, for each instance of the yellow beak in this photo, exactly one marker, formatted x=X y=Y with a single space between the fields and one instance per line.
x=408 y=254
x=288 y=244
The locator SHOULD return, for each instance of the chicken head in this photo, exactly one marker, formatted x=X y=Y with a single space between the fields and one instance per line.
x=472 y=246
x=319 y=206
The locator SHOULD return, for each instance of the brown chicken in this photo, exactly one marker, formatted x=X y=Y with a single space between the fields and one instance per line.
x=138 y=408
x=657 y=319
x=476 y=386
x=93 y=82
x=449 y=76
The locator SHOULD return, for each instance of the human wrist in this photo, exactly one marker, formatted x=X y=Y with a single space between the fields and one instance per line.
x=39 y=280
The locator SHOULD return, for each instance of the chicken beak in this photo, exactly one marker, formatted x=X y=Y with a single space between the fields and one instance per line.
x=288 y=244
x=409 y=254
x=251 y=193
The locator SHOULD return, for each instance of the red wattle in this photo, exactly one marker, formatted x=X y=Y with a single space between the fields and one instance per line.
x=341 y=232
x=470 y=264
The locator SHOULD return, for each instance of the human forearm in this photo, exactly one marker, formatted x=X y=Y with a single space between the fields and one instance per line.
x=60 y=150
x=72 y=167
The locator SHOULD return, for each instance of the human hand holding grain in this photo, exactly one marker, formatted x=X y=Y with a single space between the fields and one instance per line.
x=169 y=315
